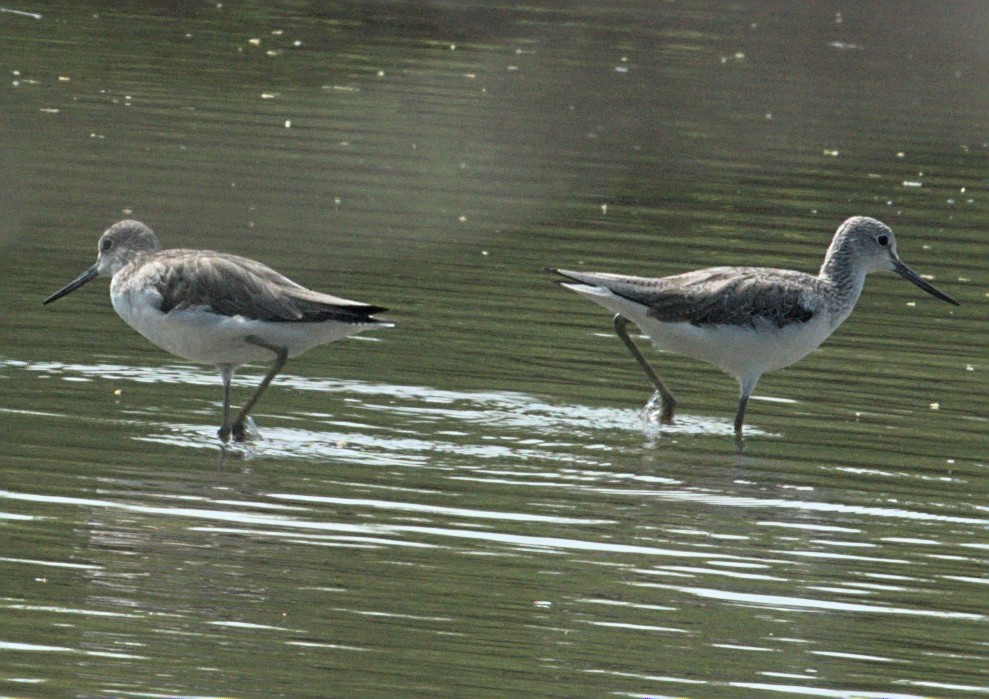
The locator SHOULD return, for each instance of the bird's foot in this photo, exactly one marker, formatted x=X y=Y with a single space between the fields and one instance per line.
x=660 y=408
x=240 y=431
x=739 y=441
x=666 y=411
x=244 y=430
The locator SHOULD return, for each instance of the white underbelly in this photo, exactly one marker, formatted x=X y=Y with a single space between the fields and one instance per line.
x=740 y=351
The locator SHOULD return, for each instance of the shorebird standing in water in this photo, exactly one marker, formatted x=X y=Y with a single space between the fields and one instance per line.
x=214 y=308
x=747 y=320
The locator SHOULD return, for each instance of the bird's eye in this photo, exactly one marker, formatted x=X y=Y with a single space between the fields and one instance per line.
x=106 y=244
x=883 y=240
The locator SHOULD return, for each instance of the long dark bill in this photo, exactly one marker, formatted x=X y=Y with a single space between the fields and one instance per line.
x=86 y=276
x=914 y=278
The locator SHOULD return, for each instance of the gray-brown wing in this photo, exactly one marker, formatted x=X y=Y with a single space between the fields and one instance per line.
x=716 y=296
x=232 y=285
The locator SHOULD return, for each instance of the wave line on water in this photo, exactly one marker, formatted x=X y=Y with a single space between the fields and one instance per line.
x=439 y=510
x=770 y=503
x=795 y=603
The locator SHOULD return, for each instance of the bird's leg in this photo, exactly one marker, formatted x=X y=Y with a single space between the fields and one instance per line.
x=668 y=404
x=740 y=415
x=227 y=372
x=281 y=356
x=745 y=388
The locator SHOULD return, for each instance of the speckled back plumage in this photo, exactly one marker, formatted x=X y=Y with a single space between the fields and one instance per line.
x=232 y=285
x=744 y=296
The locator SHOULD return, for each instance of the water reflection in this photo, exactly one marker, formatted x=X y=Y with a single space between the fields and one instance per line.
x=419 y=406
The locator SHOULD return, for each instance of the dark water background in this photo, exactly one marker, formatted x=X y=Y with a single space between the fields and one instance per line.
x=470 y=505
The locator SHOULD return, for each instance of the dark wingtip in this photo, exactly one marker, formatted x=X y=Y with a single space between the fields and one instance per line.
x=365 y=314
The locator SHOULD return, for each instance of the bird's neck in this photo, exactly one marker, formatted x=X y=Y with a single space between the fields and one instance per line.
x=845 y=279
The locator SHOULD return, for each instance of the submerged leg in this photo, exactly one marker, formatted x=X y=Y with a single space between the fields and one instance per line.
x=281 y=356
x=669 y=404
x=745 y=388
x=227 y=372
